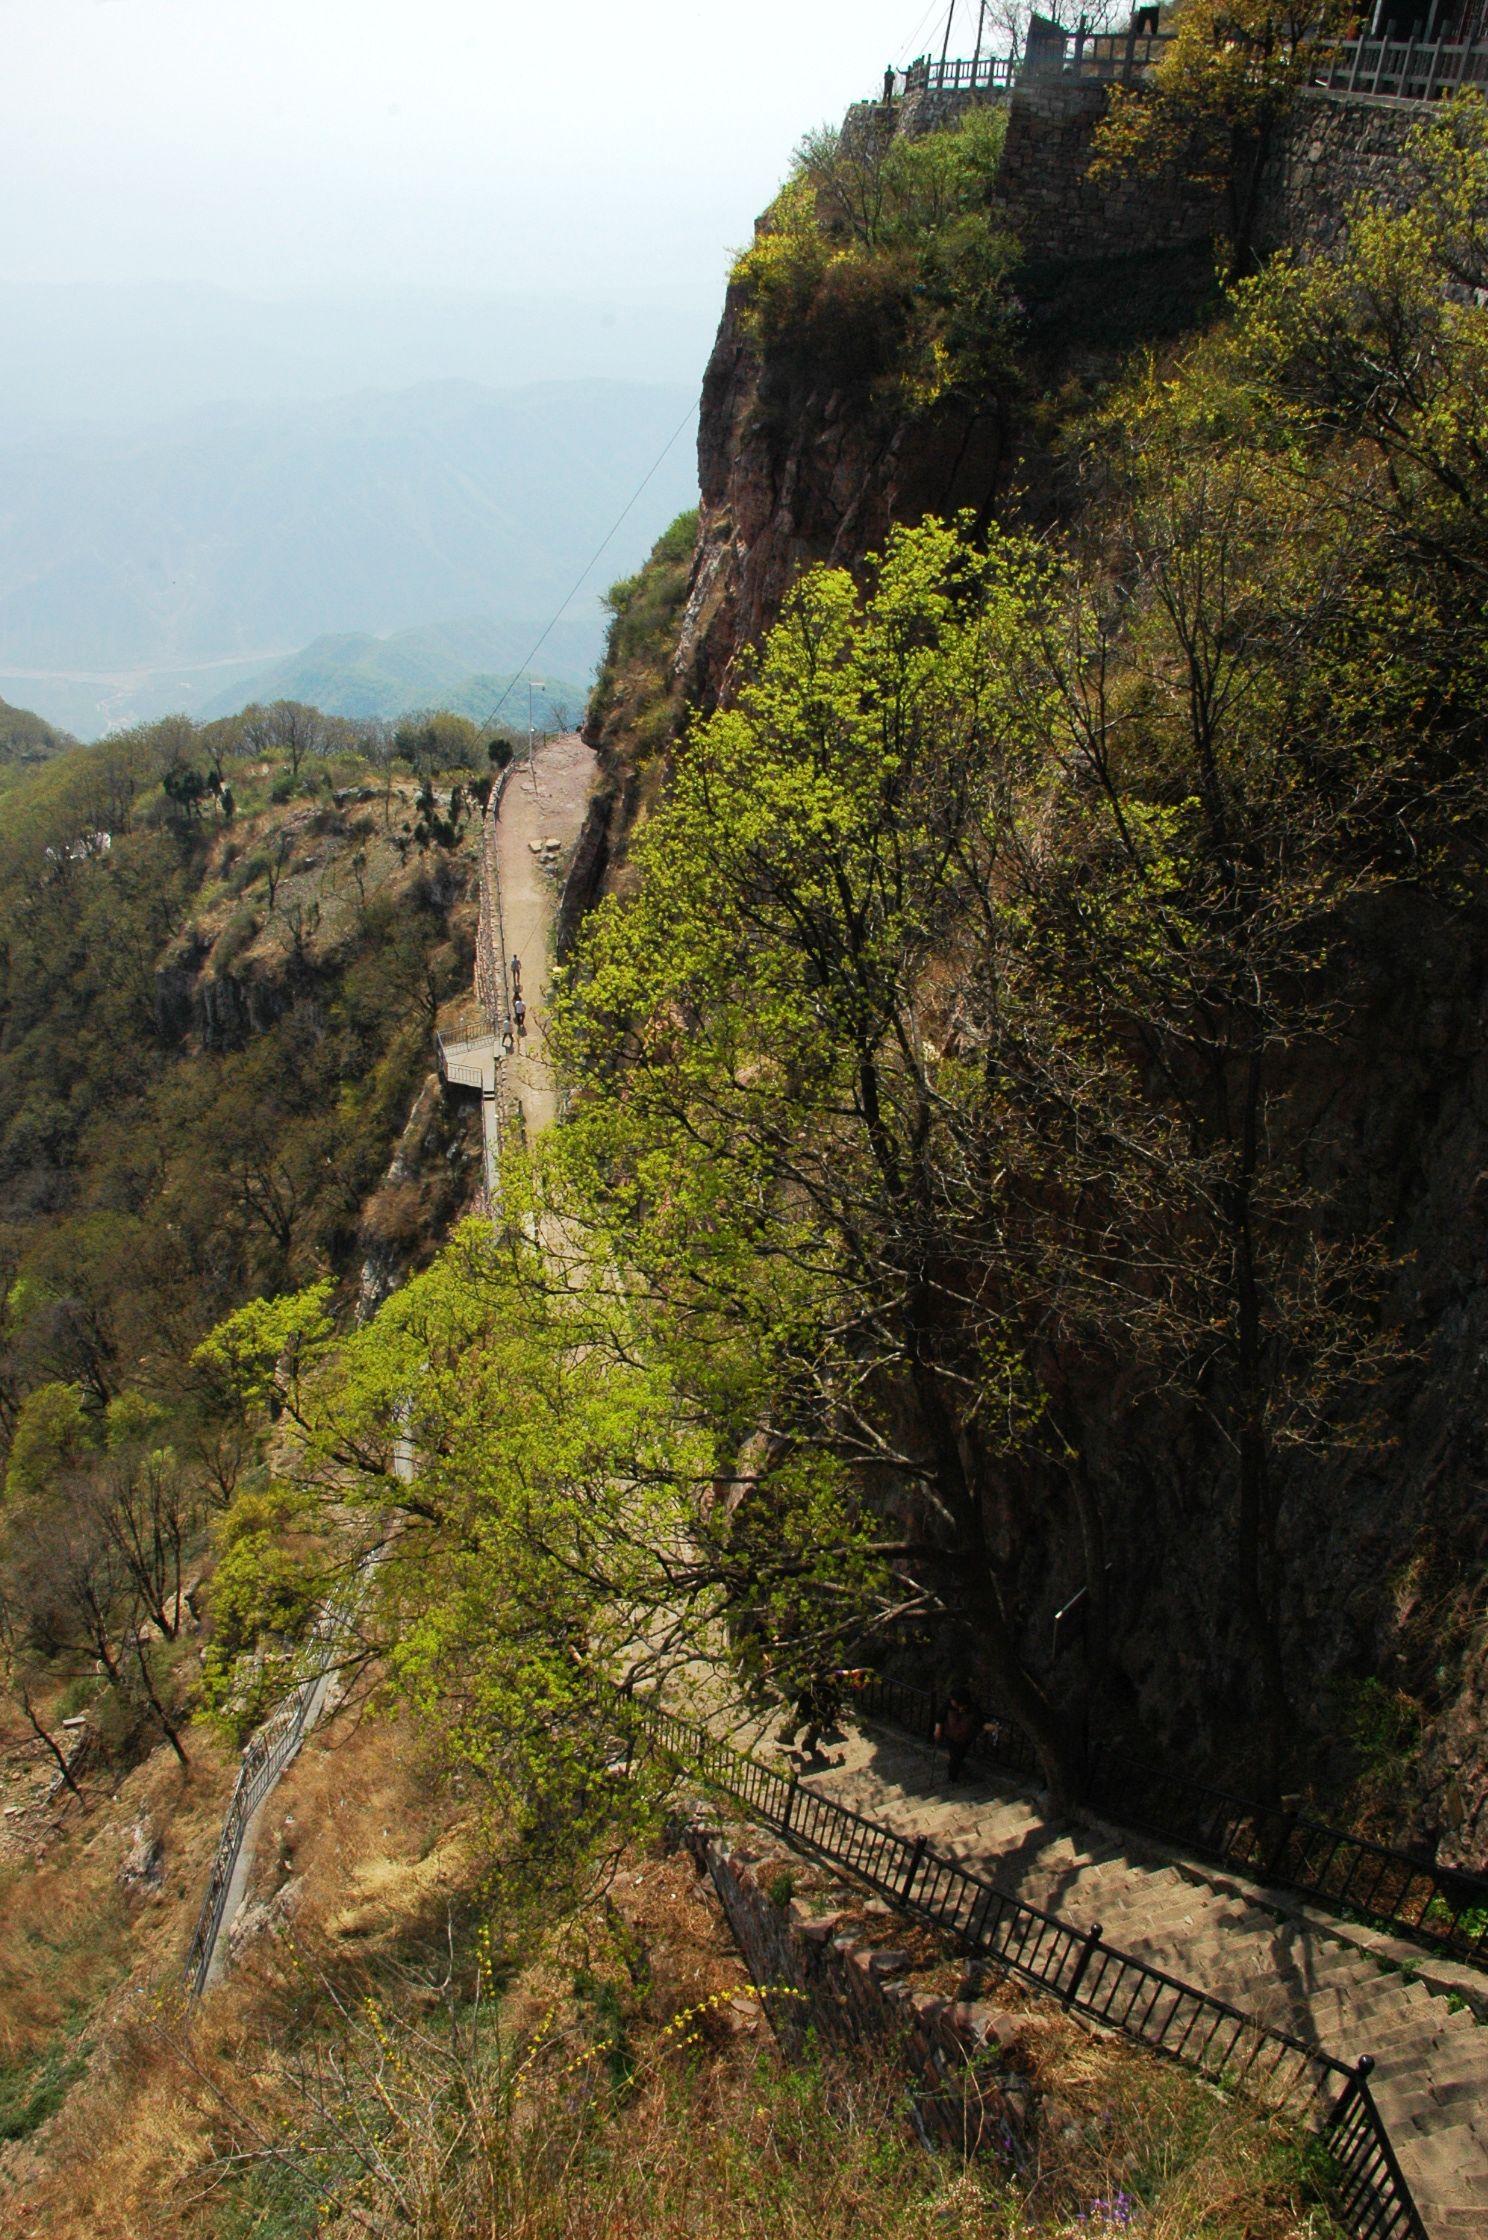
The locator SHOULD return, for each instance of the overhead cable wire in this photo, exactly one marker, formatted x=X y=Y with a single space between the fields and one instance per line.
x=908 y=48
x=610 y=533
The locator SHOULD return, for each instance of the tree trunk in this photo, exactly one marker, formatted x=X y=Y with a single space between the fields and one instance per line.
x=1254 y=1527
x=980 y=1598
x=43 y=1736
x=162 y=1716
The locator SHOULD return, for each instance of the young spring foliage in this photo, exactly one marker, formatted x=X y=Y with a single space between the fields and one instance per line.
x=960 y=1079
x=880 y=261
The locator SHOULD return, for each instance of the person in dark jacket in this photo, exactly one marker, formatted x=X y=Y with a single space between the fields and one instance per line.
x=814 y=1712
x=958 y=1727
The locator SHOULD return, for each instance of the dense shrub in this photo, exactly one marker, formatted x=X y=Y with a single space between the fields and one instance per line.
x=636 y=673
x=880 y=260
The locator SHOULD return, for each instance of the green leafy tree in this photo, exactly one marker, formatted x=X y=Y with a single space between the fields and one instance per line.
x=778 y=1133
x=1213 y=104
x=266 y=1588
x=540 y=1549
x=54 y=1434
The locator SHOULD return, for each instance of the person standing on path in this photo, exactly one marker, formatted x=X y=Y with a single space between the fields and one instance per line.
x=814 y=1708
x=958 y=1727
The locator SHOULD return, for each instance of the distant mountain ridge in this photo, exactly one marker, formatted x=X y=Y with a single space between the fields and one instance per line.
x=241 y=528
x=173 y=345
x=351 y=673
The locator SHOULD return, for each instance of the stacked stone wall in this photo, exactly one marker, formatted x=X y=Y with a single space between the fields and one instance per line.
x=931 y=108
x=850 y=1994
x=1332 y=150
x=1058 y=210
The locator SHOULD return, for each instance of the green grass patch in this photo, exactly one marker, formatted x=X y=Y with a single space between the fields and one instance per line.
x=31 y=2091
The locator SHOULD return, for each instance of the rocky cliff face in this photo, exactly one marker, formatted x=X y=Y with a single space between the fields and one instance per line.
x=217 y=1010
x=796 y=465
x=1382 y=1542
x=1386 y=1546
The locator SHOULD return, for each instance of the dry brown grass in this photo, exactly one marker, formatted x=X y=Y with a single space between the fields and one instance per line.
x=76 y=1950
x=568 y=2102
x=117 y=2162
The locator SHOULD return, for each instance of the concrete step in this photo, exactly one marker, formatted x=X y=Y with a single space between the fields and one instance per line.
x=1439 y=2066
x=1431 y=2078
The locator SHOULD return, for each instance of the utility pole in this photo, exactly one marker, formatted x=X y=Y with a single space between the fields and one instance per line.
x=533 y=683
x=945 y=47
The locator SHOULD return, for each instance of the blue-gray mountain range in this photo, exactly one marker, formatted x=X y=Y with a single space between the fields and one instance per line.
x=349 y=673
x=150 y=568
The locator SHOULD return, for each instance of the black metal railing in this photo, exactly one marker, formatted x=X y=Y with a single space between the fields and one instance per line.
x=1437 y=1907
x=972 y=74
x=1109 y=58
x=1373 y=69
x=266 y=1755
x=1090 y=1978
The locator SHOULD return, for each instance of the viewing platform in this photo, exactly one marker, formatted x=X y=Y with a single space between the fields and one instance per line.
x=469 y=1061
x=1413 y=70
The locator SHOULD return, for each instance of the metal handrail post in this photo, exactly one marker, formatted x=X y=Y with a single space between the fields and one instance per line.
x=1088 y=1951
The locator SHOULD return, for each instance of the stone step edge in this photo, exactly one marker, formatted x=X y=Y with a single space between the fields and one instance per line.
x=1395 y=1955
x=1441 y=1976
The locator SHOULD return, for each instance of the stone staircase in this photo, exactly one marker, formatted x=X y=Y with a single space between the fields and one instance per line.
x=1349 y=1991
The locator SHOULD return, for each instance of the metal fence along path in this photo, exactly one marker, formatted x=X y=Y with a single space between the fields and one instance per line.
x=1091 y=1979
x=1441 y=1908
x=266 y=1755
x=1370 y=69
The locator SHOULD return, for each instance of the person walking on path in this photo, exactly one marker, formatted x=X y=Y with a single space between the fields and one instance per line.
x=958 y=1727
x=517 y=974
x=814 y=1709
x=519 y=1013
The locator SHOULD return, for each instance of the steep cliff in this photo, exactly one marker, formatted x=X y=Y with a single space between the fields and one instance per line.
x=811 y=446
x=957 y=384
x=797 y=464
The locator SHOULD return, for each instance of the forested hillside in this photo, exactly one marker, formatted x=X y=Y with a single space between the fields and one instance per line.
x=26 y=738
x=223 y=955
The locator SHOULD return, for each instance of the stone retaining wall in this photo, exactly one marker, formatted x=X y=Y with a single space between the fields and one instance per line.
x=1333 y=150
x=586 y=870
x=849 y=1993
x=1057 y=210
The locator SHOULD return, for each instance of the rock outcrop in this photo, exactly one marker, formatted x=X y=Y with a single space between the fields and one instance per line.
x=798 y=464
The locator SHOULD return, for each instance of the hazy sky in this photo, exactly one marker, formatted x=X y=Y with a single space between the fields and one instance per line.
x=454 y=143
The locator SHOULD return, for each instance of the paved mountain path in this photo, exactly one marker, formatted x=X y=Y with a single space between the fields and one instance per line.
x=544 y=801
x=1280 y=1962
